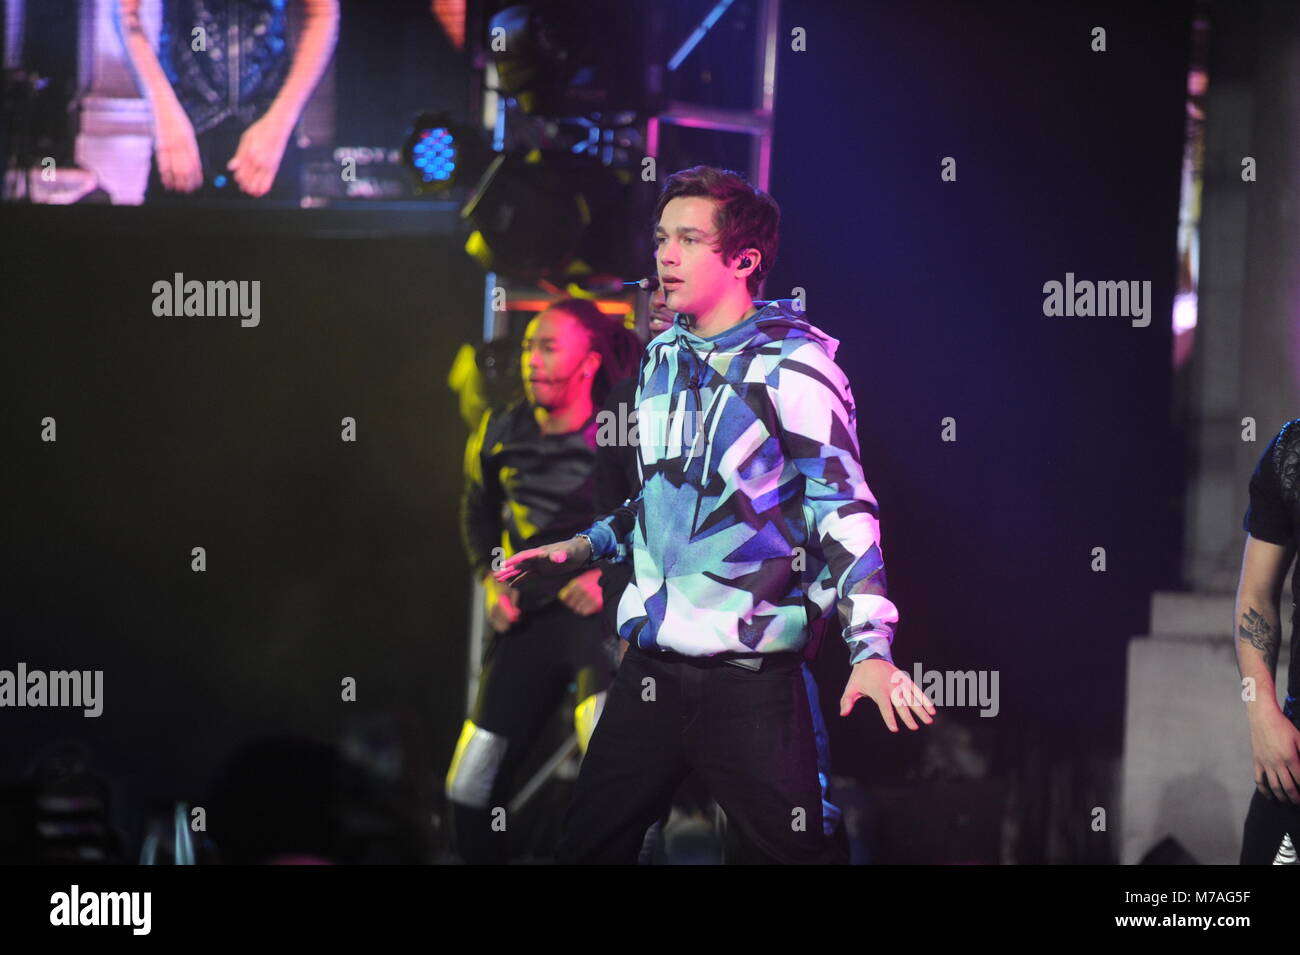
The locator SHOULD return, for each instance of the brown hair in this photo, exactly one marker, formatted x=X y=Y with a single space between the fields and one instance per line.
x=745 y=217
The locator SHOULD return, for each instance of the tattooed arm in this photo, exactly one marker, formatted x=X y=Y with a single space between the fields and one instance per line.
x=1274 y=740
x=1258 y=617
x=1262 y=631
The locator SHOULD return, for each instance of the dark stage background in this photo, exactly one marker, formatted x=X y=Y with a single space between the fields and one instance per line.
x=328 y=559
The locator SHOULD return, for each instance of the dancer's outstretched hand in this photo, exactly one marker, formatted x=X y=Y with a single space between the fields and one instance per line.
x=502 y=604
x=551 y=560
x=582 y=594
x=891 y=689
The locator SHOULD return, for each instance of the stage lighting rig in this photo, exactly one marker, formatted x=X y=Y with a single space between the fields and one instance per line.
x=441 y=152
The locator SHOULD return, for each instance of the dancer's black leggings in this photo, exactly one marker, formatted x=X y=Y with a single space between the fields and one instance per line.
x=527 y=672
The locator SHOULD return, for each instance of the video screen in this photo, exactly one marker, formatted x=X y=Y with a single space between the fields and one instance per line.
x=303 y=102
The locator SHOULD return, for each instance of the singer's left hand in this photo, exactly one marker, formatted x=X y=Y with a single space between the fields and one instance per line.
x=891 y=689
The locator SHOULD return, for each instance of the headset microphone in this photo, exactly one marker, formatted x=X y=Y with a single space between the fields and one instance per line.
x=562 y=381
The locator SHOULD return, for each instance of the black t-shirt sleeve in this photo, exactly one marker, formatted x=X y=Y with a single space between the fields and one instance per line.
x=616 y=471
x=1268 y=518
x=617 y=480
x=480 y=503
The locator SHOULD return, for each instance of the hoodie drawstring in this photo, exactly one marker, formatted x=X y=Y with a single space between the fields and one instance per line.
x=697 y=379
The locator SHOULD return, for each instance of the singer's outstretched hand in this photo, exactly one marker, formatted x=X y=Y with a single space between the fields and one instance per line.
x=551 y=560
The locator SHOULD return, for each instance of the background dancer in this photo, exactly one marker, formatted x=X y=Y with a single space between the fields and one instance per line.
x=536 y=458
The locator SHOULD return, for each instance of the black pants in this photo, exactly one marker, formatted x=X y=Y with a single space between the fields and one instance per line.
x=527 y=672
x=216 y=148
x=748 y=735
x=1267 y=821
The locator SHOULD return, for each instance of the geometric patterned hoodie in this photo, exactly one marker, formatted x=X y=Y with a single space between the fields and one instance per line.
x=754 y=519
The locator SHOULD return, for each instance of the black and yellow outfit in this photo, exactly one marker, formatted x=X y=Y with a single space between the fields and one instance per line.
x=522 y=489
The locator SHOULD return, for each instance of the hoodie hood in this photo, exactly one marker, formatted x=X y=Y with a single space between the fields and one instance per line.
x=774 y=321
x=693 y=365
